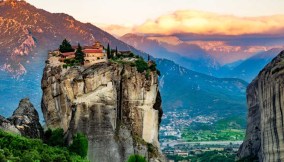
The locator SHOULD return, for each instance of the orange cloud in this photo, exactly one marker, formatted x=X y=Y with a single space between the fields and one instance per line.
x=117 y=30
x=187 y=21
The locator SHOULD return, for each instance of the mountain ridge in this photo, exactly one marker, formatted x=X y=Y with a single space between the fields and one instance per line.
x=48 y=30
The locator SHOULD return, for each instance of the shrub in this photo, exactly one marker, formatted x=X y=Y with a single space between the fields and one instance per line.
x=141 y=65
x=21 y=149
x=136 y=158
x=147 y=74
x=67 y=61
x=131 y=55
x=153 y=67
x=79 y=145
x=56 y=138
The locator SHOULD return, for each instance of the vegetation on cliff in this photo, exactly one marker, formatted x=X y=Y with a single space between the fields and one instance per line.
x=21 y=149
x=136 y=158
x=136 y=61
x=79 y=145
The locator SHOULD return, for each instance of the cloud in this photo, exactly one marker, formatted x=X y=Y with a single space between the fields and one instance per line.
x=198 y=22
x=117 y=30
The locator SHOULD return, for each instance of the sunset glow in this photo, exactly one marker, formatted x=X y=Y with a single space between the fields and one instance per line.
x=207 y=23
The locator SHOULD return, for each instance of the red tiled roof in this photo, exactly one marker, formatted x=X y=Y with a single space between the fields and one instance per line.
x=93 y=51
x=68 y=54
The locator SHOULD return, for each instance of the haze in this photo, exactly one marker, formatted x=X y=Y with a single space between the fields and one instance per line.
x=232 y=20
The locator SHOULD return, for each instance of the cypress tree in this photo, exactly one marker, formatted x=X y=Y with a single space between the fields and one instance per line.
x=79 y=55
x=108 y=51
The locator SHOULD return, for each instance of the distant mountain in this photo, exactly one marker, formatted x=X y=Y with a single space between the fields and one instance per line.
x=188 y=56
x=249 y=68
x=26 y=30
x=27 y=33
x=185 y=89
x=193 y=57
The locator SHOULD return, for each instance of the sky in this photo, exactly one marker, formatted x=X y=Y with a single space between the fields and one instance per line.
x=135 y=12
x=229 y=18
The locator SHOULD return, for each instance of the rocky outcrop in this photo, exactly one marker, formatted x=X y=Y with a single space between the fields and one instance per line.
x=265 y=131
x=7 y=126
x=24 y=121
x=118 y=108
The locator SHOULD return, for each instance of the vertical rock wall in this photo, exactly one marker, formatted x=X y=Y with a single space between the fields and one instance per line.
x=265 y=131
x=114 y=105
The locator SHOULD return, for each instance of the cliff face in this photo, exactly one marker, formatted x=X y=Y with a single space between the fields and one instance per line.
x=114 y=105
x=265 y=131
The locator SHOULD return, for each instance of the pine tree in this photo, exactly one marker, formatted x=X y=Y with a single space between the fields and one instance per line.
x=108 y=51
x=116 y=50
x=65 y=46
x=148 y=57
x=79 y=55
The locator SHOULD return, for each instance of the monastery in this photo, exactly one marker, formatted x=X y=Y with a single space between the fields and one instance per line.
x=93 y=54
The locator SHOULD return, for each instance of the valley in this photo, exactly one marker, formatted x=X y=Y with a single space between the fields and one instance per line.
x=200 y=84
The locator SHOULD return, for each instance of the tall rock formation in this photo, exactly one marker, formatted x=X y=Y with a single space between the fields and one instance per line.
x=24 y=121
x=265 y=131
x=118 y=108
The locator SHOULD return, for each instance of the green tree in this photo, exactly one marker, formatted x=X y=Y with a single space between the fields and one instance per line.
x=136 y=158
x=65 y=46
x=108 y=51
x=56 y=138
x=79 y=55
x=21 y=149
x=79 y=145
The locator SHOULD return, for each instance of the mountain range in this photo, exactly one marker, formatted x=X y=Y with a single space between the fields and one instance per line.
x=195 y=57
x=248 y=69
x=188 y=56
x=29 y=32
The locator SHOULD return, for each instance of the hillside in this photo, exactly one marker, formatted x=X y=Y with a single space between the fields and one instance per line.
x=249 y=68
x=202 y=94
x=33 y=32
x=27 y=33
